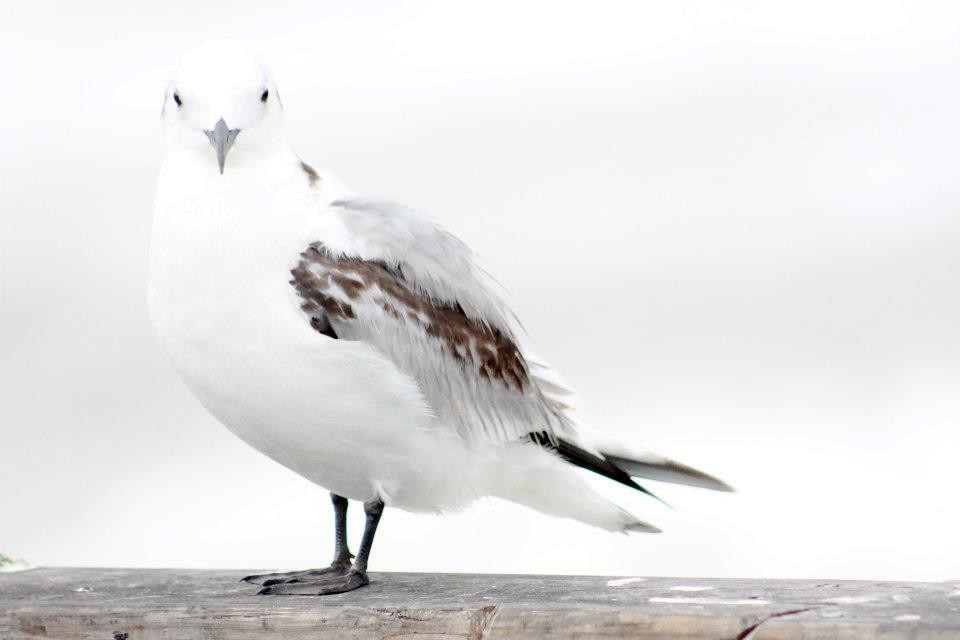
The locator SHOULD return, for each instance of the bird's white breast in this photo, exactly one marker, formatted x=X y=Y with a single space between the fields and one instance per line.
x=221 y=254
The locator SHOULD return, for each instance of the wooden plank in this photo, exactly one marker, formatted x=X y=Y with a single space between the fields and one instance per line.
x=167 y=604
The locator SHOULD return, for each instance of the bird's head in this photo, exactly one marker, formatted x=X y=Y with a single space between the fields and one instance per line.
x=221 y=99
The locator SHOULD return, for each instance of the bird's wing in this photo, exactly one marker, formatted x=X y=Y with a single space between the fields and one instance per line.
x=399 y=282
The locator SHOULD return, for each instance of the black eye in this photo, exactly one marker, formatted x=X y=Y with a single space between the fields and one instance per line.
x=264 y=95
x=176 y=98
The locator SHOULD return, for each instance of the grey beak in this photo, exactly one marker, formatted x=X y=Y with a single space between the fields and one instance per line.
x=221 y=139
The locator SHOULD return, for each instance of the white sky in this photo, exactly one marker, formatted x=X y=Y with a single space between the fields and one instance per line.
x=734 y=230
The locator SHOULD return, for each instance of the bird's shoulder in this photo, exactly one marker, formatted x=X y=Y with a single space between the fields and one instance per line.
x=418 y=251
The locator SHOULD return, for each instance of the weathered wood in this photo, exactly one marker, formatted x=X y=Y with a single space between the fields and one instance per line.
x=129 y=604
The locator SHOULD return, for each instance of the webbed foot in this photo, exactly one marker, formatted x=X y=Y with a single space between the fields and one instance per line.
x=349 y=581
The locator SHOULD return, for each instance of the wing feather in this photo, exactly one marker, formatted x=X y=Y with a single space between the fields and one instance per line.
x=449 y=336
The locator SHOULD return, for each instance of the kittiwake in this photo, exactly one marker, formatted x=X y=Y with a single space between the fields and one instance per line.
x=353 y=340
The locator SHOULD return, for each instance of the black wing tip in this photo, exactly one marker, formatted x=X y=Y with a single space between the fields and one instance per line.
x=600 y=464
x=646 y=491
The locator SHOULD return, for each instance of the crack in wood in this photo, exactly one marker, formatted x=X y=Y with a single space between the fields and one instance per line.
x=401 y=614
x=750 y=631
x=481 y=622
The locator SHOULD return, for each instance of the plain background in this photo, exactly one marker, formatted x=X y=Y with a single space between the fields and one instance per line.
x=733 y=228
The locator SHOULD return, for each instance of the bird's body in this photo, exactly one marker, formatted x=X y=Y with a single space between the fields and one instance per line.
x=353 y=341
x=339 y=412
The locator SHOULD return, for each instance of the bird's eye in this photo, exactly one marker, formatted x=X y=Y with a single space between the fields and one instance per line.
x=176 y=98
x=264 y=95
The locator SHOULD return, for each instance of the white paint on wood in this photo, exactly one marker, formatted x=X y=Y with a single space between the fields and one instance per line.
x=851 y=599
x=720 y=601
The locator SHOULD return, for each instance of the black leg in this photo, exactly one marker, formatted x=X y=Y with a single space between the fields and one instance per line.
x=373 y=509
x=341 y=552
x=354 y=578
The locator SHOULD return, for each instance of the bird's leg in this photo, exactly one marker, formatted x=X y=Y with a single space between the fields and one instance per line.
x=354 y=578
x=373 y=509
x=341 y=552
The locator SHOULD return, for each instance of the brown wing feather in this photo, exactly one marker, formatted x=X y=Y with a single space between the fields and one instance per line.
x=487 y=349
x=473 y=374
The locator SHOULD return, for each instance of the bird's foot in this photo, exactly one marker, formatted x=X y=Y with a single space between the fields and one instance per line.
x=270 y=579
x=349 y=581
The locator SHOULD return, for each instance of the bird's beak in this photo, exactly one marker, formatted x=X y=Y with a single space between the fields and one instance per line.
x=221 y=139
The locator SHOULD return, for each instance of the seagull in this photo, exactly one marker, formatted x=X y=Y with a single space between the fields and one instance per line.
x=353 y=340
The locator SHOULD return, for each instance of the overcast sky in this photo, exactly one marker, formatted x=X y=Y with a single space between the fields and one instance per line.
x=734 y=230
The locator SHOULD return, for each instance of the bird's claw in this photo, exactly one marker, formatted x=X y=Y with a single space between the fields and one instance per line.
x=316 y=587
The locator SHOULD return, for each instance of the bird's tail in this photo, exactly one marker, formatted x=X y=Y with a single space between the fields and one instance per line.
x=647 y=464
x=596 y=452
x=536 y=478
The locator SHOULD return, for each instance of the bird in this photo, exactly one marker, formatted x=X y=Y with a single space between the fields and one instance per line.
x=352 y=339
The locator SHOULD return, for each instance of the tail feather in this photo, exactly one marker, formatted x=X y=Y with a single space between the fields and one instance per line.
x=657 y=467
x=542 y=480
x=584 y=459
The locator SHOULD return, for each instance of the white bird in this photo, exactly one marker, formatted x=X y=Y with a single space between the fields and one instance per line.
x=352 y=340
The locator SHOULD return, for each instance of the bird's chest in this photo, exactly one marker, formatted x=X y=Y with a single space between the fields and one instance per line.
x=219 y=280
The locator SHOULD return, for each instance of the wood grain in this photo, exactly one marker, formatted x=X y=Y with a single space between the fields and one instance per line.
x=167 y=604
